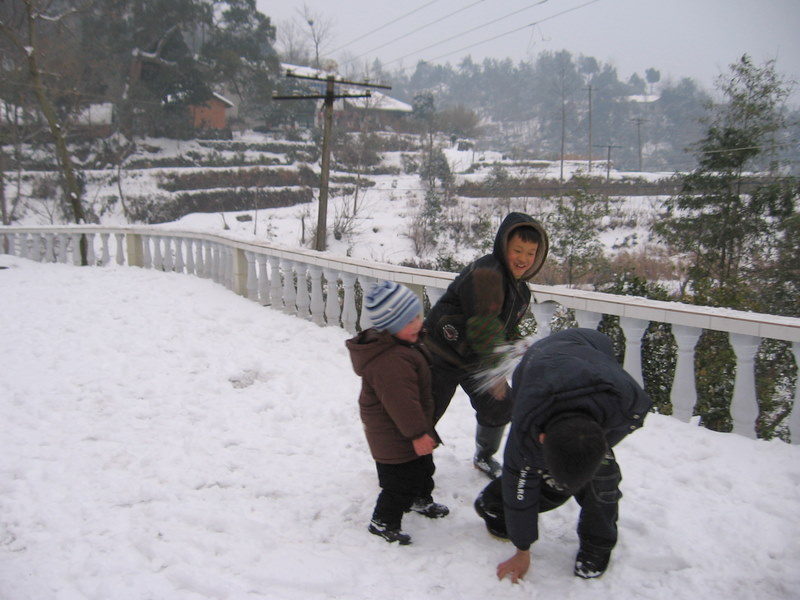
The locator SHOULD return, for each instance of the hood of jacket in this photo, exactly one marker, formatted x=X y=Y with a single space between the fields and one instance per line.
x=368 y=345
x=509 y=224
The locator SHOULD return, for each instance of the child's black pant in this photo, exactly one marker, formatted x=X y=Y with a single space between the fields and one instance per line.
x=401 y=485
x=599 y=502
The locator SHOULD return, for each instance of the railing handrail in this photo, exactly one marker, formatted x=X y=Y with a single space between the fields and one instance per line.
x=677 y=313
x=323 y=288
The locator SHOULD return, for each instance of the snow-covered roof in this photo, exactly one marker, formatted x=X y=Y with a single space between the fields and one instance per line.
x=643 y=98
x=222 y=99
x=376 y=101
x=379 y=101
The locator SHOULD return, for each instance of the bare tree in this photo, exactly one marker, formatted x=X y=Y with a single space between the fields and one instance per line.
x=320 y=31
x=21 y=28
x=291 y=41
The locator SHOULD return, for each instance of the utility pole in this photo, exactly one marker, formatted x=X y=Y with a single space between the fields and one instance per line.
x=608 y=160
x=639 y=121
x=329 y=96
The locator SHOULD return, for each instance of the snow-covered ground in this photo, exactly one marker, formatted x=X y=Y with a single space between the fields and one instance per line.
x=165 y=439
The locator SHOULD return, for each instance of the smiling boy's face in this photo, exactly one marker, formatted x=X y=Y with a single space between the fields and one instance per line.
x=520 y=255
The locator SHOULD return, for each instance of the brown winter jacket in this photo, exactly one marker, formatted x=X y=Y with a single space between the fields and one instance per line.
x=395 y=401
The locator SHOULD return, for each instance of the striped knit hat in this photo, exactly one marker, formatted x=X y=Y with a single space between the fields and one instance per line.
x=391 y=306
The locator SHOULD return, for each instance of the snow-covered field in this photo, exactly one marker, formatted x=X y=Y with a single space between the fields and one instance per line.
x=165 y=439
x=380 y=229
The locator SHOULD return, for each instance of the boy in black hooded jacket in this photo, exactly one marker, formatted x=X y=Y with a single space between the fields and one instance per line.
x=573 y=403
x=481 y=310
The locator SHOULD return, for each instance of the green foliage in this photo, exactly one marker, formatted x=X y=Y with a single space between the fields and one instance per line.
x=574 y=232
x=715 y=371
x=659 y=351
x=435 y=168
x=776 y=378
x=725 y=228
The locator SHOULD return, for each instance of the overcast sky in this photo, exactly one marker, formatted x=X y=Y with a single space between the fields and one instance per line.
x=680 y=38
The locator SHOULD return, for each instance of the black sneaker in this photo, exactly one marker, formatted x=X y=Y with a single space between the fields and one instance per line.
x=589 y=565
x=390 y=535
x=495 y=524
x=429 y=508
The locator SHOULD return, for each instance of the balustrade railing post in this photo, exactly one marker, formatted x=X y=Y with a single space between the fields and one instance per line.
x=91 y=257
x=136 y=250
x=263 y=279
x=76 y=249
x=49 y=247
x=634 y=330
x=252 y=277
x=434 y=294
x=289 y=293
x=214 y=262
x=168 y=263
x=587 y=319
x=240 y=277
x=179 y=264
x=105 y=256
x=684 y=387
x=744 y=405
x=303 y=301
x=543 y=313
x=147 y=256
x=120 y=237
x=11 y=244
x=208 y=262
x=332 y=307
x=317 y=302
x=22 y=248
x=199 y=264
x=794 y=417
x=275 y=283
x=62 y=247
x=190 y=267
x=349 y=314
x=37 y=247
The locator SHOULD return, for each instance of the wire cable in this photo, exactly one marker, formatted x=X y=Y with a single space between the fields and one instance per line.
x=384 y=26
x=491 y=39
x=463 y=33
x=418 y=29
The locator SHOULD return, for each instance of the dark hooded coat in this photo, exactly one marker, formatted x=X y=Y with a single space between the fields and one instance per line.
x=574 y=370
x=395 y=402
x=484 y=288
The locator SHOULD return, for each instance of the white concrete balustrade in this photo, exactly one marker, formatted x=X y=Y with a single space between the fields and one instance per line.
x=322 y=289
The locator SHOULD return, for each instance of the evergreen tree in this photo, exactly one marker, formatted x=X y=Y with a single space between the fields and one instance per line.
x=574 y=233
x=720 y=224
x=737 y=234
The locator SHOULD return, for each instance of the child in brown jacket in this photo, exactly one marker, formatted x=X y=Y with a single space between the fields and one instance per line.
x=396 y=408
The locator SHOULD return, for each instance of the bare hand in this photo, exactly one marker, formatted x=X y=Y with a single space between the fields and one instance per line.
x=424 y=445
x=516 y=566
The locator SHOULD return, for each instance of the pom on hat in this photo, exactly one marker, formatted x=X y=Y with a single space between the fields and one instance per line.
x=391 y=306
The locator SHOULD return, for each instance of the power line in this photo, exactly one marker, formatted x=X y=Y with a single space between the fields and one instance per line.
x=463 y=33
x=385 y=25
x=418 y=29
x=491 y=39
